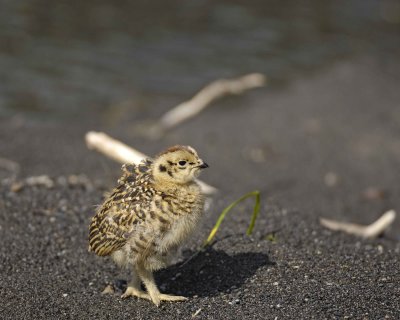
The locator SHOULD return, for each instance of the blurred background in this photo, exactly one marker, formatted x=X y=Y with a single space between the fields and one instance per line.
x=323 y=135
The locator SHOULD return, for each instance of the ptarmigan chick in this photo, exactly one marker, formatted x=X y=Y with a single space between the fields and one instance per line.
x=154 y=208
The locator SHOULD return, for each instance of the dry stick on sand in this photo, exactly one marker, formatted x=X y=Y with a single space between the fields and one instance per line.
x=122 y=153
x=207 y=95
x=371 y=231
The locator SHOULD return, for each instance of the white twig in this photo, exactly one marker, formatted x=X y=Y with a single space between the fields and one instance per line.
x=370 y=231
x=43 y=180
x=122 y=153
x=196 y=313
x=207 y=95
x=112 y=148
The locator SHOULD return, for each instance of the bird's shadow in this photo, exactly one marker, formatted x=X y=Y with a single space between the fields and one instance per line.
x=210 y=272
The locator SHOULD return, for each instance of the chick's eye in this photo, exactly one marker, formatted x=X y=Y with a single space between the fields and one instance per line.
x=182 y=162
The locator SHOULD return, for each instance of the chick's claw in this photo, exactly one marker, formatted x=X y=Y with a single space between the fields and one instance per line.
x=168 y=297
x=134 y=292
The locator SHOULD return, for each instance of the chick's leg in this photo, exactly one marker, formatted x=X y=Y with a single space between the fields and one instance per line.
x=134 y=290
x=154 y=293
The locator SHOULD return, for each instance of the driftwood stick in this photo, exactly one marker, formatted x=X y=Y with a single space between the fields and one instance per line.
x=370 y=231
x=207 y=95
x=122 y=153
x=113 y=148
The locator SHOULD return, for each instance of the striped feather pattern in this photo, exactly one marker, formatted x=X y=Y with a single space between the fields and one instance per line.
x=114 y=222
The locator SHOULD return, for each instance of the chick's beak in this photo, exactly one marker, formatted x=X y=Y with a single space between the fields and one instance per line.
x=203 y=165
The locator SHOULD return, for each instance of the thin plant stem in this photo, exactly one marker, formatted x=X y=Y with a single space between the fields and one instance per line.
x=221 y=217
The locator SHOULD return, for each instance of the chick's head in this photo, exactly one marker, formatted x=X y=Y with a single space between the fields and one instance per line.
x=178 y=164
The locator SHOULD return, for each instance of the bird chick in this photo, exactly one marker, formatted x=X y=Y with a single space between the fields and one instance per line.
x=154 y=208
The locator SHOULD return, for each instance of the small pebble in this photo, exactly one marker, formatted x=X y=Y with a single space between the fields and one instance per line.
x=236 y=301
x=331 y=179
x=17 y=186
x=312 y=125
x=108 y=290
x=257 y=155
x=374 y=193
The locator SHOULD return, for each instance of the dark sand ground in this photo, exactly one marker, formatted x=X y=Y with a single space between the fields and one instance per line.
x=344 y=120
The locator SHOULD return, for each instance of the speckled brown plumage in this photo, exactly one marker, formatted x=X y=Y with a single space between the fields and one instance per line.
x=114 y=222
x=148 y=215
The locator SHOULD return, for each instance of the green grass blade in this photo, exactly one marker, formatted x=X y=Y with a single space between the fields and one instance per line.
x=221 y=217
